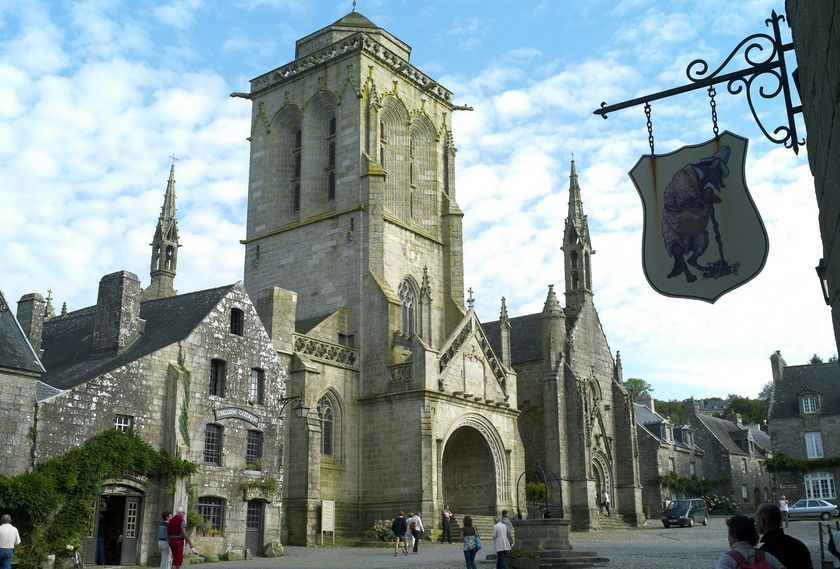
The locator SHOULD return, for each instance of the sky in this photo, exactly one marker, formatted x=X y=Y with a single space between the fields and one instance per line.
x=95 y=96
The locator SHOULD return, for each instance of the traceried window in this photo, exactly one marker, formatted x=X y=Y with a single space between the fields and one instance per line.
x=257 y=389
x=820 y=485
x=253 y=450
x=237 y=321
x=327 y=417
x=217 y=377
x=213 y=444
x=408 y=299
x=809 y=404
x=813 y=444
x=124 y=423
x=212 y=511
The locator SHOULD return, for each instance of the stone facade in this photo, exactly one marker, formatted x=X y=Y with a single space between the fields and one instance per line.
x=815 y=27
x=733 y=451
x=664 y=448
x=804 y=419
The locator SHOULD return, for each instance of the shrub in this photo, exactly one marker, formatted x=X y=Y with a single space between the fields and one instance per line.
x=722 y=505
x=535 y=491
x=382 y=530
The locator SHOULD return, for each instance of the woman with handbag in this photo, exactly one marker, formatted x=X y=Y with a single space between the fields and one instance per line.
x=472 y=542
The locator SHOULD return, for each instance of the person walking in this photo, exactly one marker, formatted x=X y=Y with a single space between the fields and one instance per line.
x=399 y=527
x=787 y=549
x=176 y=529
x=163 y=541
x=9 y=539
x=501 y=543
x=509 y=525
x=415 y=526
x=742 y=540
x=446 y=524
x=469 y=536
x=784 y=507
x=605 y=502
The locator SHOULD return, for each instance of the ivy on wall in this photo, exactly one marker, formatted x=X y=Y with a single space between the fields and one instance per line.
x=183 y=425
x=691 y=484
x=53 y=506
x=784 y=463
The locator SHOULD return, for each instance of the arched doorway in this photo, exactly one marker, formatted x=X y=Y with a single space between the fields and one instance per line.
x=603 y=479
x=469 y=479
x=118 y=523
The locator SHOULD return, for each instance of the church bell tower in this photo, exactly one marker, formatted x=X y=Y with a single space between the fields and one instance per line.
x=577 y=249
x=164 y=247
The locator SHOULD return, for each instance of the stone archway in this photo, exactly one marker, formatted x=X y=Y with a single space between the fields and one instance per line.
x=469 y=473
x=603 y=477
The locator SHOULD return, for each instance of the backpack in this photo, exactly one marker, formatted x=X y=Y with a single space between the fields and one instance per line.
x=757 y=561
x=413 y=526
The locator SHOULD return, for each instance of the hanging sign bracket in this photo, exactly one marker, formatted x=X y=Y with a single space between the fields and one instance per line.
x=764 y=55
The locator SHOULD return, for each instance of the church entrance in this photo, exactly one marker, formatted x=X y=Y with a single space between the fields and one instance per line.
x=468 y=472
x=118 y=515
x=603 y=481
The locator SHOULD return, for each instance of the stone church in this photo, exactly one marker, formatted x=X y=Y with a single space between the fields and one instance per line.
x=352 y=205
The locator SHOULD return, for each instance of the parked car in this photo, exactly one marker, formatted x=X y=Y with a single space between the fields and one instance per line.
x=812 y=508
x=685 y=513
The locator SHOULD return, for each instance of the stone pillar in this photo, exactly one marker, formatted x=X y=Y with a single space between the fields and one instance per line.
x=277 y=308
x=30 y=315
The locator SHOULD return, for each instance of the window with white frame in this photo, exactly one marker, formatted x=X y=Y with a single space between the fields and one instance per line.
x=820 y=485
x=813 y=444
x=124 y=423
x=809 y=404
x=745 y=493
x=257 y=388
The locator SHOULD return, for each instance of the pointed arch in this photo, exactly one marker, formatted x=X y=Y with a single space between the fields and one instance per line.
x=285 y=157
x=409 y=294
x=393 y=155
x=320 y=130
x=494 y=442
x=423 y=174
x=330 y=415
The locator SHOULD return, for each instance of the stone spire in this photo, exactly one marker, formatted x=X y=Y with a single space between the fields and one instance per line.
x=504 y=333
x=553 y=324
x=165 y=246
x=577 y=248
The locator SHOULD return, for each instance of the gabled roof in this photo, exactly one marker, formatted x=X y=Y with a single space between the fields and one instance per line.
x=16 y=352
x=525 y=337
x=68 y=339
x=651 y=422
x=820 y=378
x=726 y=432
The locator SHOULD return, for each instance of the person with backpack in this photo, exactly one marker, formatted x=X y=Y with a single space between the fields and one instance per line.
x=787 y=549
x=742 y=553
x=415 y=526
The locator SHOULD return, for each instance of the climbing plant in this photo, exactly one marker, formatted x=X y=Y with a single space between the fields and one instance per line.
x=53 y=506
x=784 y=463
x=689 y=484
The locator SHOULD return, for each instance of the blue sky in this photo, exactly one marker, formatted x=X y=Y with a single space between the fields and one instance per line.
x=94 y=97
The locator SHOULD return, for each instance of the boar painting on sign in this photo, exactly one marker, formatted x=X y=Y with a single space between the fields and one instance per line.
x=703 y=235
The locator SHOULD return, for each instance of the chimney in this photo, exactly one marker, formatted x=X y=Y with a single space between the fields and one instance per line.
x=690 y=409
x=30 y=315
x=777 y=364
x=117 y=312
x=646 y=399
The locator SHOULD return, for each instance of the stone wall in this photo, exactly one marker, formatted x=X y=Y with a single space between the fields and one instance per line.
x=17 y=399
x=815 y=26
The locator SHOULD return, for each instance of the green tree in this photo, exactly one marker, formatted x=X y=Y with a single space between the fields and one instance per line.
x=672 y=409
x=766 y=392
x=636 y=386
x=751 y=410
x=815 y=359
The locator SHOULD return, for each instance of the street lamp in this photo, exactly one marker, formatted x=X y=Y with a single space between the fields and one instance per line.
x=822 y=273
x=301 y=411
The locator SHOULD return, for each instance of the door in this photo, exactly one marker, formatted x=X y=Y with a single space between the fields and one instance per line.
x=254 y=527
x=131 y=530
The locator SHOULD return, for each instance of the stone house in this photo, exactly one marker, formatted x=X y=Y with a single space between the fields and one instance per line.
x=735 y=451
x=663 y=448
x=194 y=374
x=804 y=418
x=352 y=205
x=20 y=369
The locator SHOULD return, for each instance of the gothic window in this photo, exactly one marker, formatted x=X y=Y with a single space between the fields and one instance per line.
x=327 y=418
x=574 y=261
x=820 y=485
x=253 y=450
x=124 y=423
x=237 y=321
x=213 y=444
x=408 y=299
x=170 y=258
x=411 y=160
x=331 y=158
x=212 y=511
x=217 y=378
x=332 y=126
x=257 y=388
x=383 y=140
x=813 y=444
x=296 y=198
x=296 y=171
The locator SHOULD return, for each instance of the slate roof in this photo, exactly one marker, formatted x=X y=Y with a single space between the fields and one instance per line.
x=724 y=431
x=821 y=378
x=68 y=339
x=761 y=438
x=16 y=352
x=651 y=420
x=525 y=342
x=307 y=325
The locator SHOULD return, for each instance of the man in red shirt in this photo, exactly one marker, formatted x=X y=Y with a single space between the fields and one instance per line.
x=177 y=531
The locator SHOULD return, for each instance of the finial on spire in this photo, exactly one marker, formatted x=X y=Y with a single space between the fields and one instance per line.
x=470 y=299
x=174 y=159
x=503 y=315
x=64 y=309
x=354 y=5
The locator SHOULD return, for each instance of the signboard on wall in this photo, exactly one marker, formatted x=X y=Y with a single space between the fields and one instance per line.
x=327 y=518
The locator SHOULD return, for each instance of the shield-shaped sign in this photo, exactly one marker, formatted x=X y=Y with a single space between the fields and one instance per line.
x=703 y=235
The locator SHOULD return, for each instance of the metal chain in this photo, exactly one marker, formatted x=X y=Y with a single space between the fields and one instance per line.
x=712 y=103
x=649 y=127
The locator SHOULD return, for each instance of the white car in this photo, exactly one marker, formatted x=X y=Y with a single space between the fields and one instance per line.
x=813 y=508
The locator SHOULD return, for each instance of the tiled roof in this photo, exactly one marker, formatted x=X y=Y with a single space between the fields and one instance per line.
x=525 y=341
x=651 y=421
x=724 y=431
x=68 y=339
x=16 y=352
x=820 y=378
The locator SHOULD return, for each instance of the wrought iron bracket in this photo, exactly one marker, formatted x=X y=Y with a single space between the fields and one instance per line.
x=765 y=56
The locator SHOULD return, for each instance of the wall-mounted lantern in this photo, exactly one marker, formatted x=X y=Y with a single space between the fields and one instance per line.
x=301 y=411
x=822 y=273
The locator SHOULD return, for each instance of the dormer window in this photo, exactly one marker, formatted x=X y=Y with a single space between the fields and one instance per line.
x=810 y=403
x=667 y=433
